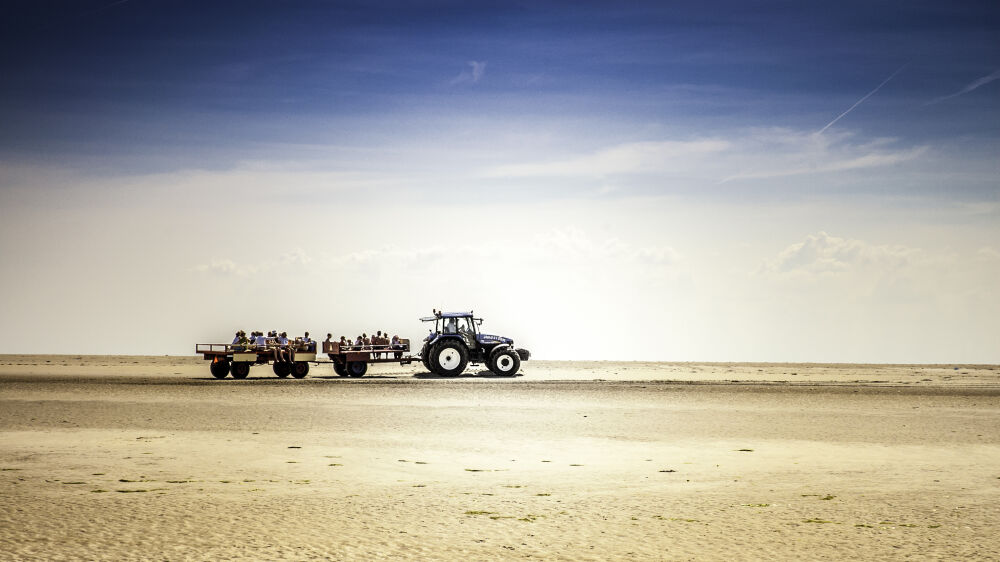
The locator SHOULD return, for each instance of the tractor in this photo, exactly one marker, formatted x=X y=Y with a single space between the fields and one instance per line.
x=456 y=341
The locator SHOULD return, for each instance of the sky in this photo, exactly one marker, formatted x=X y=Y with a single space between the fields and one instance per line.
x=673 y=181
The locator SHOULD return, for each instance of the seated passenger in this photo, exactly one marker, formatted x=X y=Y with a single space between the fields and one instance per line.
x=279 y=347
x=243 y=342
x=396 y=344
x=308 y=344
x=237 y=338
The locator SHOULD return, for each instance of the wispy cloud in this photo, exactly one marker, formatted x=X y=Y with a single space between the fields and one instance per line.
x=826 y=160
x=228 y=267
x=573 y=244
x=553 y=247
x=822 y=254
x=988 y=253
x=972 y=86
x=753 y=154
x=628 y=158
x=857 y=103
x=475 y=72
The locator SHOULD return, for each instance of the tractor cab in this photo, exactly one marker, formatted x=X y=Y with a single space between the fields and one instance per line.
x=452 y=324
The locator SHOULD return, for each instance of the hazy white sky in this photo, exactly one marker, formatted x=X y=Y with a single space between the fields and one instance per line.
x=630 y=202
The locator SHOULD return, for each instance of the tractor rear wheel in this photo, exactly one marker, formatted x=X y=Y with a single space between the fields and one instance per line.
x=220 y=369
x=504 y=361
x=425 y=357
x=300 y=369
x=241 y=369
x=357 y=368
x=281 y=368
x=450 y=357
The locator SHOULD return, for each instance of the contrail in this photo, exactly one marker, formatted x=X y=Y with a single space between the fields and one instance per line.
x=975 y=84
x=857 y=103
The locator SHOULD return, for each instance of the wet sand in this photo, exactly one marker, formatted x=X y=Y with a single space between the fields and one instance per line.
x=150 y=457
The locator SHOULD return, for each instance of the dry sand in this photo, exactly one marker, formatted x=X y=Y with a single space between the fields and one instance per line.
x=151 y=458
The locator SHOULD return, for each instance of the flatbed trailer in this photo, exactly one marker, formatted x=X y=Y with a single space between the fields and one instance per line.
x=237 y=359
x=352 y=360
x=348 y=360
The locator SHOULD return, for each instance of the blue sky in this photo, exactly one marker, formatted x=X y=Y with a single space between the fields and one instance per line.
x=680 y=143
x=84 y=76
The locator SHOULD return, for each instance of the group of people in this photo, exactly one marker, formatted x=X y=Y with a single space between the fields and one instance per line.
x=282 y=347
x=277 y=343
x=376 y=342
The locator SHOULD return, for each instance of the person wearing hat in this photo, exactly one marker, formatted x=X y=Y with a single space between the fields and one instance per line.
x=241 y=341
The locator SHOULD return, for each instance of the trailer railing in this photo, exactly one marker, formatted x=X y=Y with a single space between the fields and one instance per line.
x=335 y=348
x=213 y=348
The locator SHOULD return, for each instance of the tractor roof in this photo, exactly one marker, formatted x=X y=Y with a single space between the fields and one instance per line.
x=447 y=315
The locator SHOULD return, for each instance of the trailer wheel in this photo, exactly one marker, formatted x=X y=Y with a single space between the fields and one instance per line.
x=241 y=369
x=220 y=369
x=357 y=368
x=504 y=361
x=300 y=369
x=450 y=357
x=281 y=368
x=339 y=369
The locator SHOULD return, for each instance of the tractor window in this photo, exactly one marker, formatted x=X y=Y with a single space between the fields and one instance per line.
x=464 y=326
x=465 y=329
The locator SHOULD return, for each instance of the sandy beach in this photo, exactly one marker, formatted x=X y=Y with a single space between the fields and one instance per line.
x=120 y=457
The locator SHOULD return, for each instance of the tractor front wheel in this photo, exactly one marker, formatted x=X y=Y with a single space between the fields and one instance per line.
x=504 y=361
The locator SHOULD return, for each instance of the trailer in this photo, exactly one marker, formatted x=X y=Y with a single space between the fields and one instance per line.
x=347 y=360
x=352 y=360
x=237 y=359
